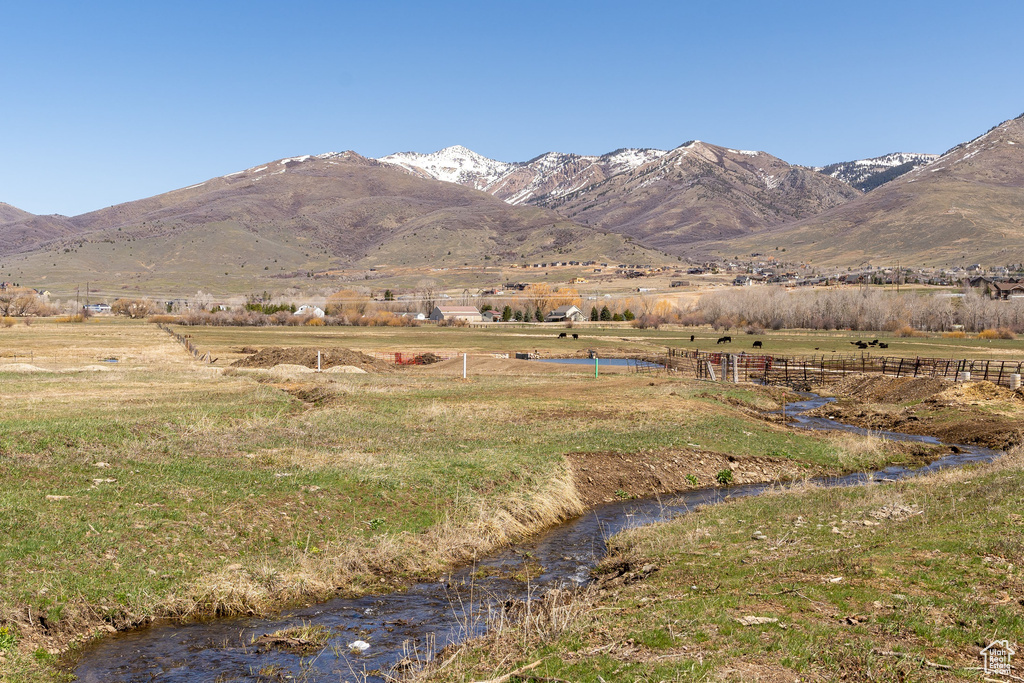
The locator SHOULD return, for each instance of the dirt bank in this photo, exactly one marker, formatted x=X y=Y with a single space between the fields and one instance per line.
x=307 y=357
x=606 y=476
x=975 y=413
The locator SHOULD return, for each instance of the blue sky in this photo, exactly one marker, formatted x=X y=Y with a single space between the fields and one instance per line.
x=105 y=102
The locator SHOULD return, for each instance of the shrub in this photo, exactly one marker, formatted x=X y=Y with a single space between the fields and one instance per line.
x=8 y=321
x=1001 y=333
x=164 y=319
x=314 y=322
x=908 y=331
x=724 y=477
x=76 y=318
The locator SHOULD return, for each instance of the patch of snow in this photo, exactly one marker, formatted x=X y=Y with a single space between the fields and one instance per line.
x=744 y=152
x=196 y=185
x=230 y=175
x=257 y=170
x=625 y=160
x=295 y=159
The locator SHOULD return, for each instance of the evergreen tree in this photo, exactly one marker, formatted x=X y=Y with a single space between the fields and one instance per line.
x=606 y=313
x=595 y=314
x=539 y=315
x=519 y=316
x=628 y=315
x=506 y=314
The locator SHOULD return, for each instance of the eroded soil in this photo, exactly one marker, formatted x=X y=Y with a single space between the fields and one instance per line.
x=973 y=413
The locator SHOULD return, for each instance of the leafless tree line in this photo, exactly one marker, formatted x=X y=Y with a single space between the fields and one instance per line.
x=857 y=309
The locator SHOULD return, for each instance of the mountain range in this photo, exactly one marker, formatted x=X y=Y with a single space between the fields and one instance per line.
x=304 y=217
x=965 y=207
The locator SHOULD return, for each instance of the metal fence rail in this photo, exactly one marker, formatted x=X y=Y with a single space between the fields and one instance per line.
x=777 y=369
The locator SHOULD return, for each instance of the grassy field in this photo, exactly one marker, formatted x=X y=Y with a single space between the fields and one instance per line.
x=159 y=486
x=604 y=338
x=906 y=581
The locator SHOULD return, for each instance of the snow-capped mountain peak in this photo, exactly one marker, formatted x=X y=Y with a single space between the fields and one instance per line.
x=550 y=174
x=867 y=174
x=455 y=164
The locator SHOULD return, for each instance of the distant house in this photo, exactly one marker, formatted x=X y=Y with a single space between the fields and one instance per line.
x=491 y=316
x=446 y=313
x=306 y=309
x=565 y=313
x=1009 y=290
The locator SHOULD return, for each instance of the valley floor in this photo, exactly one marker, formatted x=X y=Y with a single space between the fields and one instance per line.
x=143 y=484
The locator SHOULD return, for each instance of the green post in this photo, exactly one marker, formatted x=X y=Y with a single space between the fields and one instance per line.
x=595 y=366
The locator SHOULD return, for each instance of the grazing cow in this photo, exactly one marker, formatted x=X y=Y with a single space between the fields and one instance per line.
x=575 y=336
x=563 y=335
x=883 y=345
x=691 y=337
x=873 y=341
x=757 y=345
x=724 y=340
x=861 y=345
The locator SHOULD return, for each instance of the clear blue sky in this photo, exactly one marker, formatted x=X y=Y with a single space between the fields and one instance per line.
x=105 y=102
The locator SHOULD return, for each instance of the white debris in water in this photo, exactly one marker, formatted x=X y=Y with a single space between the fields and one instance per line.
x=359 y=645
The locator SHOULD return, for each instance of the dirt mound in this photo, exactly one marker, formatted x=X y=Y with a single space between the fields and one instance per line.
x=307 y=357
x=880 y=389
x=978 y=391
x=20 y=367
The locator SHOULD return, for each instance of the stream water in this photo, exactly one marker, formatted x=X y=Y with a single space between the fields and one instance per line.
x=434 y=614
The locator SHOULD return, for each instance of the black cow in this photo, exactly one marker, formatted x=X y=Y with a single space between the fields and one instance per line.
x=691 y=337
x=757 y=345
x=563 y=335
x=575 y=336
x=724 y=340
x=883 y=345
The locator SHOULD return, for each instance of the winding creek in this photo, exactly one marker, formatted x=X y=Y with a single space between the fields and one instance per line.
x=430 y=614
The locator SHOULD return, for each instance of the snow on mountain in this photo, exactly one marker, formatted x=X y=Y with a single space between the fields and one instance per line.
x=867 y=174
x=454 y=164
x=549 y=175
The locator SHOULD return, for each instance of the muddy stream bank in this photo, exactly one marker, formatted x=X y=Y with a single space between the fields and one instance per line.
x=437 y=613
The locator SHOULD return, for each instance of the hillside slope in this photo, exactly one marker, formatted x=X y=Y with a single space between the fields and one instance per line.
x=306 y=217
x=701 y=192
x=965 y=207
